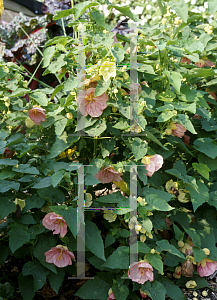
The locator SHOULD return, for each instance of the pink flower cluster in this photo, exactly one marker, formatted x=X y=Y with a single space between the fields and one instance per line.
x=59 y=255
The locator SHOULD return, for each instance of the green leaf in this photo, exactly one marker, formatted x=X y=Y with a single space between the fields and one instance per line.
x=47 y=55
x=60 y=126
x=212 y=6
x=118 y=259
x=151 y=137
x=139 y=148
x=178 y=233
x=156 y=261
x=167 y=96
x=80 y=8
x=33 y=201
x=43 y=183
x=40 y=98
x=180 y=8
x=26 y=169
x=93 y=240
x=56 y=280
x=199 y=254
x=98 y=17
x=26 y=287
x=174 y=79
x=18 y=236
x=207 y=146
x=8 y=162
x=70 y=83
x=107 y=147
x=101 y=87
x=118 y=53
x=112 y=198
x=125 y=11
x=122 y=125
x=186 y=107
x=43 y=244
x=57 y=177
x=38 y=272
x=156 y=291
x=202 y=169
x=121 y=292
x=6 y=207
x=20 y=92
x=200 y=197
x=63 y=13
x=165 y=116
x=211 y=163
x=96 y=289
x=162 y=7
x=146 y=224
x=157 y=203
x=172 y=290
x=164 y=245
x=6 y=185
x=97 y=129
x=61 y=144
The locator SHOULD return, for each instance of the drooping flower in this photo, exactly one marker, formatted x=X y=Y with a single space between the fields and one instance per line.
x=179 y=131
x=37 y=115
x=55 y=222
x=109 y=216
x=143 y=294
x=191 y=284
x=205 y=63
x=111 y=295
x=196 y=117
x=153 y=163
x=177 y=273
x=187 y=269
x=206 y=267
x=171 y=186
x=108 y=174
x=107 y=70
x=59 y=256
x=90 y=105
x=8 y=153
x=168 y=222
x=185 y=60
x=182 y=196
x=141 y=272
x=134 y=87
x=187 y=139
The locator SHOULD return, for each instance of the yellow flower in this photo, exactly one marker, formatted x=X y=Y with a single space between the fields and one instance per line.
x=182 y=197
x=70 y=152
x=29 y=123
x=190 y=284
x=177 y=21
x=171 y=184
x=173 y=126
x=181 y=243
x=109 y=216
x=107 y=70
x=125 y=75
x=168 y=131
x=141 y=201
x=1 y=7
x=20 y=202
x=146 y=160
x=62 y=155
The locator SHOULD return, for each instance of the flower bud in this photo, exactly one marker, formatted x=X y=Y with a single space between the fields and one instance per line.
x=152 y=251
x=181 y=243
x=29 y=123
x=69 y=116
x=204 y=293
x=168 y=131
x=177 y=273
x=206 y=251
x=142 y=238
x=164 y=21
